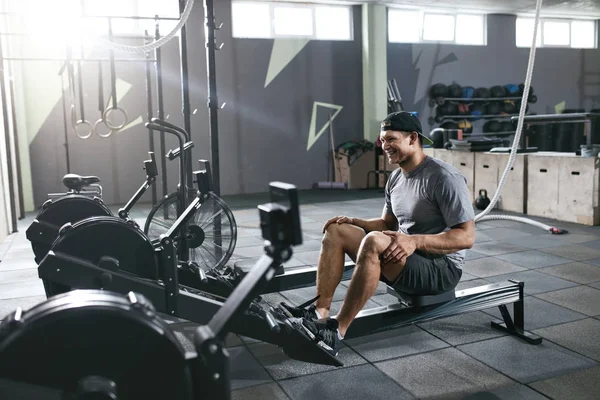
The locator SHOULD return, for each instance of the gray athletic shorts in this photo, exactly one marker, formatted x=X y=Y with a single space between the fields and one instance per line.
x=426 y=276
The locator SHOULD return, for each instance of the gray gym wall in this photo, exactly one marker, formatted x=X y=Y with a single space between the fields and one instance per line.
x=556 y=76
x=263 y=131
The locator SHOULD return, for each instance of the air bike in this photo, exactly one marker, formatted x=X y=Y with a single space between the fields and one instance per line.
x=208 y=240
x=111 y=344
x=75 y=205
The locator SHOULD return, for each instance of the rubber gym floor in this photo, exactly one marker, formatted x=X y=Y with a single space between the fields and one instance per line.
x=456 y=357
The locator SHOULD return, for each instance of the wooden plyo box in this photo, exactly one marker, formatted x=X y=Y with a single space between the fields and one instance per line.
x=464 y=161
x=354 y=172
x=443 y=154
x=564 y=186
x=489 y=168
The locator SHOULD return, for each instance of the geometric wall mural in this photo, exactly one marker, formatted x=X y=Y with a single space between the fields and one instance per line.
x=283 y=51
x=426 y=58
x=313 y=135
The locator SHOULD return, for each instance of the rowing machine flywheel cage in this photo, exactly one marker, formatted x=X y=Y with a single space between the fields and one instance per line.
x=56 y=213
x=98 y=238
x=92 y=340
x=211 y=233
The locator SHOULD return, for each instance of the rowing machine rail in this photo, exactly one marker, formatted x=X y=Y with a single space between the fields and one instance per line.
x=479 y=298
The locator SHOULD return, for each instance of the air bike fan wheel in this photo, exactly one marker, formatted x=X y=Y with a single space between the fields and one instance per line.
x=211 y=235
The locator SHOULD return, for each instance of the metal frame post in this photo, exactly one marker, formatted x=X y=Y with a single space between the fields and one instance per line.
x=213 y=102
x=161 y=112
x=9 y=161
x=185 y=91
x=150 y=112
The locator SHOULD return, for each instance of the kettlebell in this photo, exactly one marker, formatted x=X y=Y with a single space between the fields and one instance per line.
x=482 y=201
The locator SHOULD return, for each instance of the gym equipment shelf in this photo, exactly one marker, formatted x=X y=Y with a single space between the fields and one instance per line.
x=441 y=100
x=501 y=133
x=441 y=118
x=483 y=116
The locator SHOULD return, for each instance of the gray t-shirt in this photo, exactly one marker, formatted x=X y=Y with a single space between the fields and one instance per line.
x=429 y=200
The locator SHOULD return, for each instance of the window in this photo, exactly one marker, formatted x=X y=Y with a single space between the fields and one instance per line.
x=122 y=26
x=293 y=21
x=579 y=34
x=333 y=23
x=525 y=32
x=277 y=20
x=583 y=34
x=438 y=28
x=251 y=20
x=470 y=29
x=556 y=33
x=404 y=26
x=411 y=26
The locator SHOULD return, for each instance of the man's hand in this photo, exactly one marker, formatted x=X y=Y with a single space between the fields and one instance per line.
x=401 y=247
x=339 y=220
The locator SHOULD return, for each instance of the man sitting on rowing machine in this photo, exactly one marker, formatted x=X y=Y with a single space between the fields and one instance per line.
x=417 y=246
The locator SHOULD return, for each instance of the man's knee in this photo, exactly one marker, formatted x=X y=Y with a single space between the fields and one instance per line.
x=338 y=233
x=345 y=236
x=372 y=243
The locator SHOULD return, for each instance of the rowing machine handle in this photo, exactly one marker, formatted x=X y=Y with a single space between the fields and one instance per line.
x=201 y=274
x=174 y=153
x=273 y=325
x=269 y=318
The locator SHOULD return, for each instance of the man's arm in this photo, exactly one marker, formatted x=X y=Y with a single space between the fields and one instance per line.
x=386 y=222
x=459 y=237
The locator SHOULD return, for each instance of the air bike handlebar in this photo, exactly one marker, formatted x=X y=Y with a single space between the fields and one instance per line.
x=182 y=176
x=180 y=135
x=166 y=124
x=151 y=174
x=172 y=154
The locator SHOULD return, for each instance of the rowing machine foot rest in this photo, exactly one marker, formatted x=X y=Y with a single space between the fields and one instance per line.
x=242 y=267
x=299 y=347
x=422 y=301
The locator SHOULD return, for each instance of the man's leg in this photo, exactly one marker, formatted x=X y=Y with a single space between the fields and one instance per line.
x=328 y=333
x=366 y=277
x=339 y=239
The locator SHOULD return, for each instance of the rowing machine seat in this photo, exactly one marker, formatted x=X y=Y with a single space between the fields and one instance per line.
x=77 y=182
x=422 y=301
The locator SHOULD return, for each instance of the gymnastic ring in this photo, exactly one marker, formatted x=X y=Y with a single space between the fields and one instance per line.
x=95 y=129
x=105 y=115
x=82 y=122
